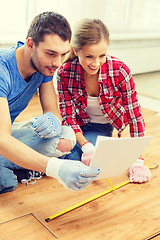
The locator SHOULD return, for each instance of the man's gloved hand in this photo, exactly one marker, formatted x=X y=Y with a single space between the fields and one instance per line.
x=46 y=125
x=88 y=150
x=138 y=173
x=71 y=174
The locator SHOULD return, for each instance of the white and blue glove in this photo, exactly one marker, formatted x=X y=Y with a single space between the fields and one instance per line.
x=88 y=150
x=71 y=174
x=46 y=125
x=138 y=173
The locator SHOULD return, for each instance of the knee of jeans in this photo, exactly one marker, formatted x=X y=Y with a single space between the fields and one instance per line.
x=8 y=180
x=65 y=145
x=69 y=134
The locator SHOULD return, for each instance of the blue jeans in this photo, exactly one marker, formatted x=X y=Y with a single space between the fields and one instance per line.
x=47 y=147
x=90 y=132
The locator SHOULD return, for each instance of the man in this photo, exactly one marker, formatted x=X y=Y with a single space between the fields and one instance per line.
x=36 y=145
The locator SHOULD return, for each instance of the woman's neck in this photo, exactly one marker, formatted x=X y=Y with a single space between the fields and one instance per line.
x=92 y=86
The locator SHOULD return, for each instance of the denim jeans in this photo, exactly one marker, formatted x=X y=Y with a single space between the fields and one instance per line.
x=47 y=147
x=90 y=132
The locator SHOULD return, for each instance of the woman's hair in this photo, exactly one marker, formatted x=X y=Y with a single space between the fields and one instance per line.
x=49 y=23
x=88 y=31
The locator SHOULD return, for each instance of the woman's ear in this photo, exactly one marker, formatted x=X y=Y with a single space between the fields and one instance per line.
x=75 y=51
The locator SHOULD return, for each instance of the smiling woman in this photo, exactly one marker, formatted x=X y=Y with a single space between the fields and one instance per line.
x=97 y=94
x=92 y=56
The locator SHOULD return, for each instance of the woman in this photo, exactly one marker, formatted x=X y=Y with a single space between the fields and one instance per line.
x=97 y=93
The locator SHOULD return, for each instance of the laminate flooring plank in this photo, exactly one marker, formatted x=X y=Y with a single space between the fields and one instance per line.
x=47 y=196
x=25 y=227
x=131 y=212
x=155 y=236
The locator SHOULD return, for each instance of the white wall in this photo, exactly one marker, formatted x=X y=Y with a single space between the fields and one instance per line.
x=141 y=56
x=134 y=25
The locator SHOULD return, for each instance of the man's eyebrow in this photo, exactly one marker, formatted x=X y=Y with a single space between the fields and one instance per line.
x=52 y=51
x=49 y=50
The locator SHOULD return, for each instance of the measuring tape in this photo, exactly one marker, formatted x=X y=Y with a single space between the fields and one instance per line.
x=87 y=200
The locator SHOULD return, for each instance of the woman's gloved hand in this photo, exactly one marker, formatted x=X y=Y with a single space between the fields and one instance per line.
x=70 y=173
x=138 y=173
x=88 y=151
x=46 y=125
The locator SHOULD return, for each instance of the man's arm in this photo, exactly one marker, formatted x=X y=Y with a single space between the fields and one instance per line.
x=72 y=174
x=48 y=124
x=15 y=150
x=48 y=99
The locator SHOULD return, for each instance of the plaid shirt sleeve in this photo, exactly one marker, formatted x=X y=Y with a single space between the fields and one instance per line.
x=130 y=102
x=66 y=104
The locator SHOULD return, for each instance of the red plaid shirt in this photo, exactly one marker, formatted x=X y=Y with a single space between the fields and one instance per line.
x=117 y=96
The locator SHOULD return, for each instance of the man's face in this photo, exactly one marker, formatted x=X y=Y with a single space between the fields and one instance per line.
x=49 y=54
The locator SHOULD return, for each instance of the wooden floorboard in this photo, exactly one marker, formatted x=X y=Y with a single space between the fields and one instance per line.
x=25 y=227
x=132 y=212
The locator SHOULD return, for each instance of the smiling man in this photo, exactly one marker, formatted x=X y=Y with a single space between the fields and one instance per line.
x=34 y=147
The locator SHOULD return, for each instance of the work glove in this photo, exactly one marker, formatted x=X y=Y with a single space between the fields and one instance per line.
x=71 y=174
x=88 y=151
x=46 y=125
x=138 y=173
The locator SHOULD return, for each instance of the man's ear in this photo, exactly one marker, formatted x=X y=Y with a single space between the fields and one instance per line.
x=75 y=51
x=30 y=44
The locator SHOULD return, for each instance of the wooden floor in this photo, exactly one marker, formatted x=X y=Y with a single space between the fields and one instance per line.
x=131 y=212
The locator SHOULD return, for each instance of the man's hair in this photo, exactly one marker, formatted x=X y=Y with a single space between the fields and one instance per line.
x=49 y=23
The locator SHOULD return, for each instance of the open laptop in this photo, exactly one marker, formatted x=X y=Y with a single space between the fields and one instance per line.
x=113 y=156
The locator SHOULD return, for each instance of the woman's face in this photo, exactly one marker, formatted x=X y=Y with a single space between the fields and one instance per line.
x=92 y=56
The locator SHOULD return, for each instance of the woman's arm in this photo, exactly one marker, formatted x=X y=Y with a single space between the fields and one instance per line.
x=66 y=104
x=80 y=138
x=131 y=103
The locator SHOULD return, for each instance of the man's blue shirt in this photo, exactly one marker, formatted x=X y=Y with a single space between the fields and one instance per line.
x=12 y=86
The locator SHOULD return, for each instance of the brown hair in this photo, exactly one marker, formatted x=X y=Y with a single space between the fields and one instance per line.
x=88 y=31
x=49 y=23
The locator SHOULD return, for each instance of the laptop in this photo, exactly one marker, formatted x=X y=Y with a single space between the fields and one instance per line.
x=113 y=156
